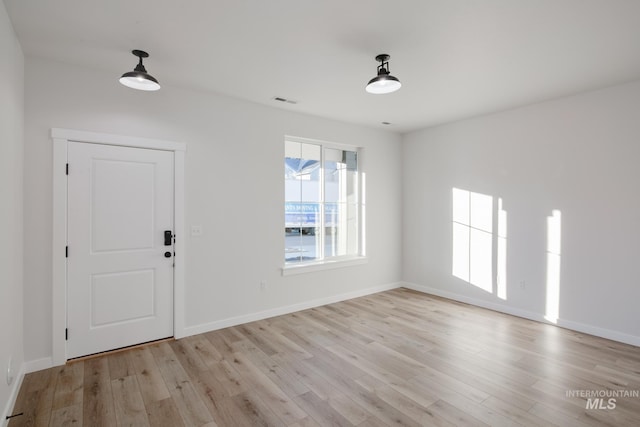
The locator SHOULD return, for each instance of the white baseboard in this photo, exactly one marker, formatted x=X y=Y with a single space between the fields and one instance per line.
x=252 y=317
x=600 y=332
x=13 y=395
x=538 y=317
x=477 y=302
x=38 y=364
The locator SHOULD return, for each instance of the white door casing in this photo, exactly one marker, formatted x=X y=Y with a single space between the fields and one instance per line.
x=120 y=283
x=106 y=244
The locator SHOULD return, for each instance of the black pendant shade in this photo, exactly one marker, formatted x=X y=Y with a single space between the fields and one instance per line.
x=384 y=82
x=139 y=78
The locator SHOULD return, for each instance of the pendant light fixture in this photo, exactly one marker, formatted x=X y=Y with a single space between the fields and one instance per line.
x=139 y=78
x=383 y=82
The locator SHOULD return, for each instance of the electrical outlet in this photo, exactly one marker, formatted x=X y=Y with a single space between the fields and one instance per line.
x=523 y=285
x=263 y=285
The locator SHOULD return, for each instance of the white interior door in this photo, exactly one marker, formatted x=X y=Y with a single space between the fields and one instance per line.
x=120 y=272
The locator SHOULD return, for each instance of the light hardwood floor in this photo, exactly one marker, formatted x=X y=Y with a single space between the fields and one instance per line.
x=393 y=358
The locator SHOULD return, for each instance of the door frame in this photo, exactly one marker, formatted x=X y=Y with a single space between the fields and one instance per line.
x=61 y=138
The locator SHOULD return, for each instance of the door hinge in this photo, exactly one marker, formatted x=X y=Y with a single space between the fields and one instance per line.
x=66 y=334
x=66 y=251
x=67 y=169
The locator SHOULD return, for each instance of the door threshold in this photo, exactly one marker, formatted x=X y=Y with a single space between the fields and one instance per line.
x=119 y=350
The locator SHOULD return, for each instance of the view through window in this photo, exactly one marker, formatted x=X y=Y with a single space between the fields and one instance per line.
x=322 y=202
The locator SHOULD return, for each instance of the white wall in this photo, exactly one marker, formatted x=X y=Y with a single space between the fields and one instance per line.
x=578 y=155
x=234 y=189
x=11 y=140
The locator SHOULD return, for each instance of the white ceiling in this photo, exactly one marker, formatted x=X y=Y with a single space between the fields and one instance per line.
x=455 y=58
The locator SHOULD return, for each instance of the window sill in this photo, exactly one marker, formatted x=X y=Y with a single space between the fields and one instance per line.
x=292 y=269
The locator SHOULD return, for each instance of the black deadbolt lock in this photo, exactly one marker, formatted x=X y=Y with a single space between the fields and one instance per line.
x=167 y=238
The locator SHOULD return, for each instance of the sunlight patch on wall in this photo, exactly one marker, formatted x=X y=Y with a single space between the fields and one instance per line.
x=460 y=264
x=554 y=225
x=363 y=215
x=501 y=278
x=473 y=238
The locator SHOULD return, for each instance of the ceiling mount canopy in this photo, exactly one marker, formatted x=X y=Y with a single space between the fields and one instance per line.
x=139 y=78
x=384 y=82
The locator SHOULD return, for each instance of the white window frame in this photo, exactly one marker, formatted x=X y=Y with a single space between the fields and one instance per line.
x=346 y=260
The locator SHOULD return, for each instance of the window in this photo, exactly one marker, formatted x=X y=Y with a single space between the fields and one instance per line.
x=322 y=202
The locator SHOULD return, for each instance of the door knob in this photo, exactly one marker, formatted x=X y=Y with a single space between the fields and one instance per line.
x=167 y=254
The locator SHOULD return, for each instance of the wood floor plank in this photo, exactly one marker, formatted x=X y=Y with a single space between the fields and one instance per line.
x=230 y=380
x=491 y=384
x=362 y=361
x=325 y=359
x=189 y=358
x=423 y=415
x=67 y=416
x=163 y=413
x=121 y=364
x=449 y=413
x=305 y=422
x=40 y=380
x=320 y=410
x=380 y=408
x=224 y=411
x=128 y=403
x=435 y=379
x=398 y=357
x=280 y=343
x=209 y=387
x=256 y=334
x=416 y=393
x=460 y=401
x=254 y=410
x=516 y=414
x=189 y=404
x=280 y=377
x=203 y=347
x=339 y=328
x=150 y=381
x=373 y=422
x=35 y=399
x=221 y=344
x=97 y=402
x=349 y=409
x=273 y=396
x=35 y=407
x=69 y=386
x=555 y=417
x=313 y=381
